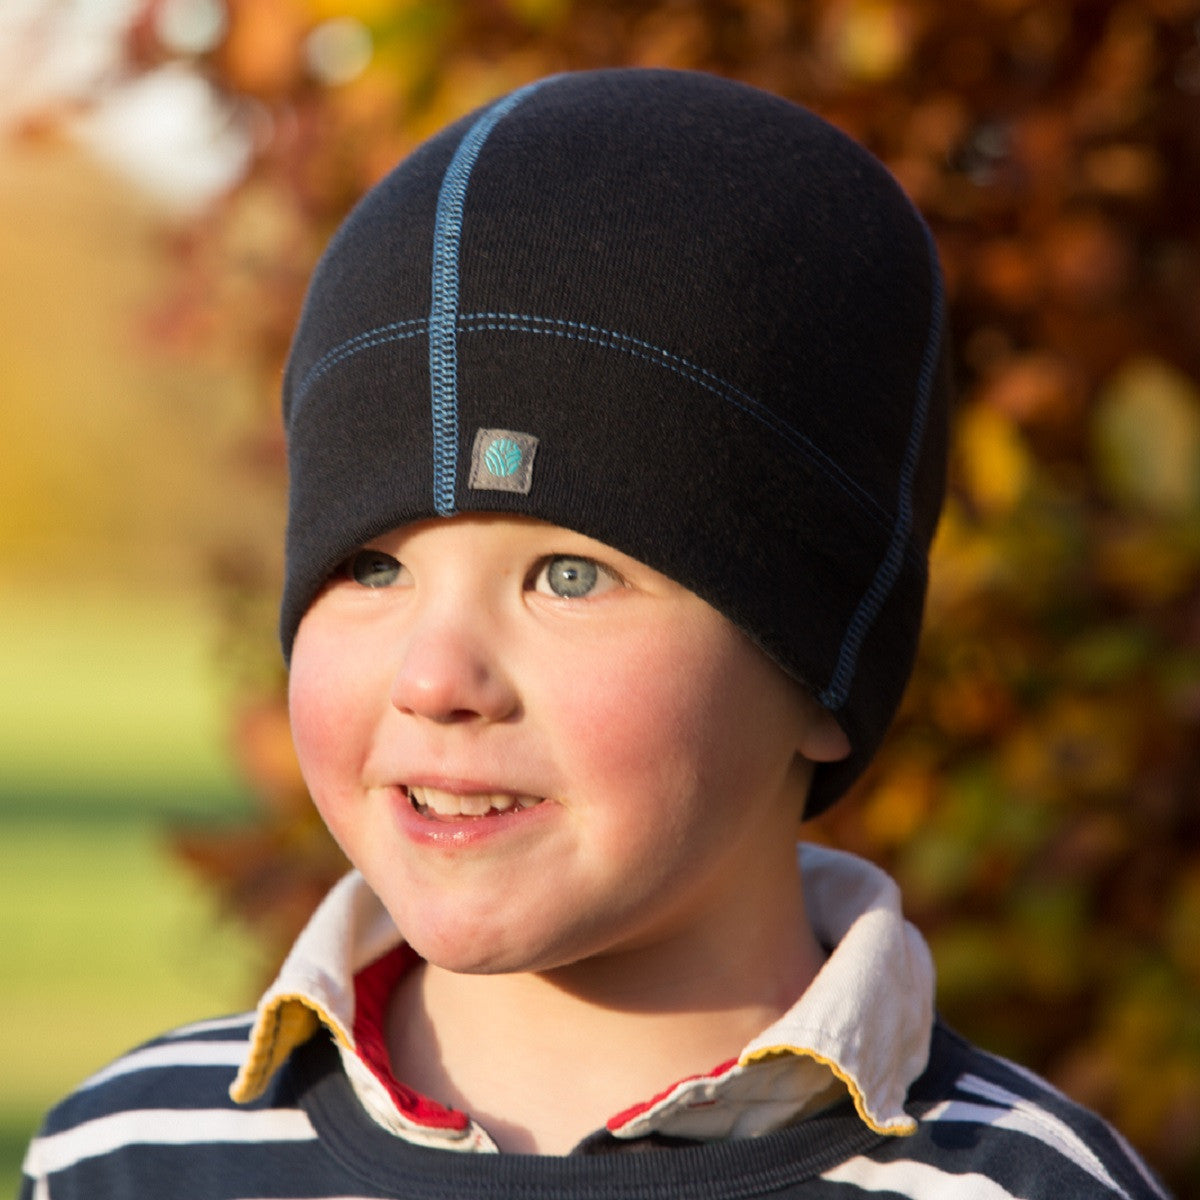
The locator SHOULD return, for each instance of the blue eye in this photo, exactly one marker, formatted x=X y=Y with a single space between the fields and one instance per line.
x=573 y=578
x=373 y=568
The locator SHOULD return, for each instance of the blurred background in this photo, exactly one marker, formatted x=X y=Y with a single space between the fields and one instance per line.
x=169 y=171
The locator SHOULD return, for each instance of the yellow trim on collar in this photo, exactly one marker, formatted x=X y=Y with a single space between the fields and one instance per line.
x=903 y=1126
x=286 y=1022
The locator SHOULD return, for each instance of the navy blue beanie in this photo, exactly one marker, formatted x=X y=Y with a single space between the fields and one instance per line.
x=672 y=312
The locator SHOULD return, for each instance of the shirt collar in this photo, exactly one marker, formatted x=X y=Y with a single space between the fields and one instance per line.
x=862 y=1025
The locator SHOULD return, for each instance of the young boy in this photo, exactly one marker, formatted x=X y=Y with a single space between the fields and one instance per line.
x=617 y=428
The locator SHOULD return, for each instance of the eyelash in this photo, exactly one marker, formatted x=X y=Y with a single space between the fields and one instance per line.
x=367 y=559
x=362 y=563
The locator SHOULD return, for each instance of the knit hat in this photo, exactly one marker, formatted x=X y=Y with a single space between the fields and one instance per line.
x=669 y=311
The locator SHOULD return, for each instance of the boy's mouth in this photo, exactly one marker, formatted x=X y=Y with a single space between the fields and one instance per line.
x=439 y=805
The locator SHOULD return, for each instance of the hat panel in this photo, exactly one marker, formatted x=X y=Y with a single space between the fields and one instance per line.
x=374 y=278
x=731 y=230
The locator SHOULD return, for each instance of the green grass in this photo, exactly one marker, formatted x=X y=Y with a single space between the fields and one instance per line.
x=110 y=689
x=112 y=727
x=106 y=943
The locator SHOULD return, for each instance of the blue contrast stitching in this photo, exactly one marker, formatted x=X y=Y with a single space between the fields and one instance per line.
x=443 y=311
x=637 y=348
x=397 y=331
x=869 y=607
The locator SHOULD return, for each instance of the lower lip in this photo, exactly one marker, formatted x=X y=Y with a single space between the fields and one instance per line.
x=453 y=833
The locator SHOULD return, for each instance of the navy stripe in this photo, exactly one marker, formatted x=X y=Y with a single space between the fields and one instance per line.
x=443 y=311
x=873 y=600
x=309 y=1136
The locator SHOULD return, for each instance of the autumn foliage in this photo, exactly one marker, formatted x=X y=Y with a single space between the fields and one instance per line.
x=1038 y=800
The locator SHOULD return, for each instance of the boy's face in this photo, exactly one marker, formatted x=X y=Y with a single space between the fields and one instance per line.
x=539 y=751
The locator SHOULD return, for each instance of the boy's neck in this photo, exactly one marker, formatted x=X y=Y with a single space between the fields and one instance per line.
x=542 y=1060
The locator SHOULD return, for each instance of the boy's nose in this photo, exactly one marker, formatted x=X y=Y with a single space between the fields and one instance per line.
x=446 y=675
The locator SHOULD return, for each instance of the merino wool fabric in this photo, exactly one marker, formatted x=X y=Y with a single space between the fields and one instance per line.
x=670 y=311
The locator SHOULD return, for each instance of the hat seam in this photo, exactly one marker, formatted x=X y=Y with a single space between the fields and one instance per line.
x=626 y=344
x=595 y=335
x=395 y=331
x=444 y=296
x=835 y=695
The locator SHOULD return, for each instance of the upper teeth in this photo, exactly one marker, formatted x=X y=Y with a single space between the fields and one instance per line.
x=474 y=804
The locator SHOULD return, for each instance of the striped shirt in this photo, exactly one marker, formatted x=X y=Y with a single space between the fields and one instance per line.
x=318 y=1117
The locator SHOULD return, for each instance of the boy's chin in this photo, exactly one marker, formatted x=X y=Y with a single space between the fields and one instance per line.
x=470 y=948
x=492 y=962
x=516 y=950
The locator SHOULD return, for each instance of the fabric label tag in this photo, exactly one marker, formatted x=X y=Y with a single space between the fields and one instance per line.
x=502 y=461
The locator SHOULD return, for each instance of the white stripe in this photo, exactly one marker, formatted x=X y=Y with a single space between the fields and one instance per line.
x=917 y=1180
x=1030 y=1124
x=241 y=1021
x=981 y=1088
x=172 y=1054
x=163 y=1127
x=1046 y=1127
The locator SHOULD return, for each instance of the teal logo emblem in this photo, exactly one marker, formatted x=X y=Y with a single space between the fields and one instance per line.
x=502 y=457
x=502 y=461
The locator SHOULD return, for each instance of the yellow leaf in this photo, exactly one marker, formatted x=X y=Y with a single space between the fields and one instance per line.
x=964 y=561
x=1146 y=438
x=898 y=807
x=995 y=463
x=870 y=39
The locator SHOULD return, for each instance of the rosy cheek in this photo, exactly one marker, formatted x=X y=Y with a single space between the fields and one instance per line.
x=316 y=707
x=327 y=769
x=307 y=734
x=627 y=716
